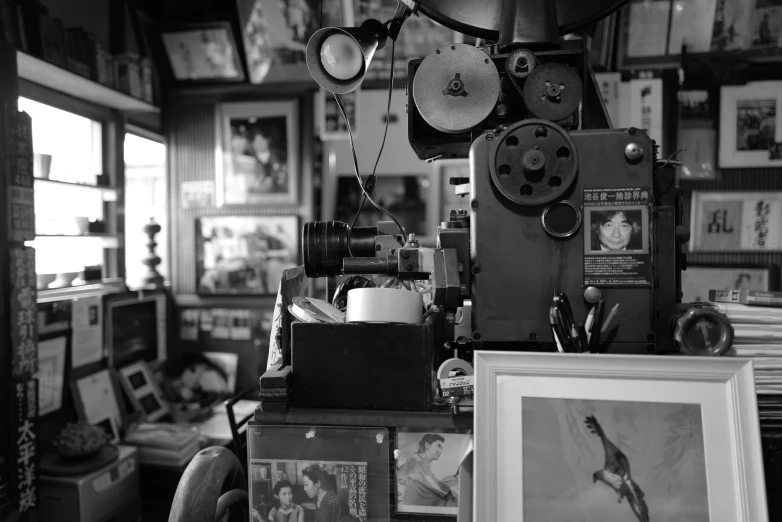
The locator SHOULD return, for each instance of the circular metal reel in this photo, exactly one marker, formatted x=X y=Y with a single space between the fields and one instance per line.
x=533 y=162
x=455 y=88
x=482 y=19
x=552 y=91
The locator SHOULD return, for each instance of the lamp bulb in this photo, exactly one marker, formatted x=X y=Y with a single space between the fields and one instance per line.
x=341 y=56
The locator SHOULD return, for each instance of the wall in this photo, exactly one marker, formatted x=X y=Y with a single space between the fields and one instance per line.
x=192 y=135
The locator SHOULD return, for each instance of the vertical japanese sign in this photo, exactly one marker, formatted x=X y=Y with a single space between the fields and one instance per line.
x=353 y=479
x=21 y=201
x=646 y=106
x=23 y=307
x=617 y=236
x=25 y=459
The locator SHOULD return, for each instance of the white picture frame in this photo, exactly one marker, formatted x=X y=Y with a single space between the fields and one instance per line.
x=266 y=173
x=331 y=124
x=143 y=391
x=747 y=122
x=511 y=387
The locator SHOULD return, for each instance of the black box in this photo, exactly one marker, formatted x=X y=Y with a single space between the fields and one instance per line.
x=363 y=366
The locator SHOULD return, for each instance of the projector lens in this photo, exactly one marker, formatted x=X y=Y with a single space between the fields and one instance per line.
x=341 y=56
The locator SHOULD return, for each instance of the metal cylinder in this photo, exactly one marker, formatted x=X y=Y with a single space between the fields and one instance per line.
x=531 y=24
x=362 y=241
x=365 y=265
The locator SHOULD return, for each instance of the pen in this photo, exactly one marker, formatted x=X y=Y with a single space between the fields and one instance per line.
x=552 y=321
x=589 y=321
x=582 y=338
x=594 y=338
x=610 y=317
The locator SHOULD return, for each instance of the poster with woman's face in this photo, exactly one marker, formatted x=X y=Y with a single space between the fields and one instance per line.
x=427 y=471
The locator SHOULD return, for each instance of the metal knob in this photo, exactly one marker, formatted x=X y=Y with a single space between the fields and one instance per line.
x=633 y=151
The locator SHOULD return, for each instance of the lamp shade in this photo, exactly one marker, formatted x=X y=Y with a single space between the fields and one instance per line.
x=338 y=57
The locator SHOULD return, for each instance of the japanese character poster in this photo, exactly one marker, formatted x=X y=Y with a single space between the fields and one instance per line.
x=24 y=481
x=24 y=311
x=331 y=491
x=735 y=221
x=617 y=237
x=427 y=471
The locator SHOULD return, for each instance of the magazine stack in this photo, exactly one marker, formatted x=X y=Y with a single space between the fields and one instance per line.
x=756 y=317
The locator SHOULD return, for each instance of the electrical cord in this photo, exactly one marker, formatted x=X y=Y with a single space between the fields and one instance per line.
x=370 y=181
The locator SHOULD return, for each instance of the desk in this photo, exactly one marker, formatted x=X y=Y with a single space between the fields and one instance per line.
x=159 y=483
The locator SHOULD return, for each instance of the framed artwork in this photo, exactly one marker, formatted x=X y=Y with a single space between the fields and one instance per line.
x=244 y=254
x=600 y=42
x=51 y=374
x=566 y=436
x=276 y=33
x=143 y=391
x=331 y=123
x=321 y=473
x=257 y=153
x=203 y=53
x=750 y=30
x=735 y=221
x=427 y=465
x=412 y=199
x=750 y=132
x=697 y=280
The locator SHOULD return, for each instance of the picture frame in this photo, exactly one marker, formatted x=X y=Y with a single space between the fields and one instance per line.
x=257 y=153
x=202 y=52
x=698 y=279
x=600 y=42
x=736 y=221
x=542 y=419
x=275 y=35
x=750 y=131
x=143 y=391
x=244 y=254
x=346 y=468
x=427 y=464
x=109 y=425
x=96 y=397
x=331 y=123
x=51 y=374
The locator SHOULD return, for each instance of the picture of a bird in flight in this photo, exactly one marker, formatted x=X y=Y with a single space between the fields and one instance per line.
x=616 y=473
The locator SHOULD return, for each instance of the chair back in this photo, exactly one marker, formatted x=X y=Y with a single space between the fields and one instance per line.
x=239 y=439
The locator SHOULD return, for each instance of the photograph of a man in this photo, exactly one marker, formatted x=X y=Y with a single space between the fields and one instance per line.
x=428 y=472
x=616 y=230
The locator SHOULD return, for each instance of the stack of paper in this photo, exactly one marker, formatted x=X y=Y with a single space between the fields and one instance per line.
x=758 y=334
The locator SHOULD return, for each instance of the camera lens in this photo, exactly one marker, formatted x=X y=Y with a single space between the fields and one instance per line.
x=324 y=244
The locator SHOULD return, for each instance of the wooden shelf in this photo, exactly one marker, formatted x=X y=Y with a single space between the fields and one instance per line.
x=109 y=193
x=44 y=73
x=106 y=286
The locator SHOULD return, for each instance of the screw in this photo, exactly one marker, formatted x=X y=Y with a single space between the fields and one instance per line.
x=632 y=131
x=533 y=337
x=378 y=247
x=474 y=203
x=476 y=270
x=476 y=336
x=489 y=137
x=405 y=254
x=409 y=267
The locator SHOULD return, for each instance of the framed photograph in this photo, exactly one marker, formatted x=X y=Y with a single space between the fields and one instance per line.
x=331 y=123
x=244 y=254
x=697 y=280
x=616 y=437
x=143 y=391
x=412 y=199
x=203 y=53
x=735 y=221
x=749 y=127
x=427 y=465
x=319 y=473
x=51 y=374
x=258 y=153
x=276 y=34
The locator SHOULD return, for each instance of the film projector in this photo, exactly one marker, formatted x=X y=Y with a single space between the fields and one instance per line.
x=547 y=174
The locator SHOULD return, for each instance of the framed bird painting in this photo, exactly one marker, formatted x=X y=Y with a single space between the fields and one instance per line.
x=616 y=437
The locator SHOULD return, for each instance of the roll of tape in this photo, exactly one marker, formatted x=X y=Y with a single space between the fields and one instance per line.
x=384 y=305
x=449 y=365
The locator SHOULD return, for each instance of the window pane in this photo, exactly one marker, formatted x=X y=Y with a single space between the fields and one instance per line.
x=65 y=144
x=146 y=196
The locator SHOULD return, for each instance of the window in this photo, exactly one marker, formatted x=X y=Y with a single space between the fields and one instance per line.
x=72 y=197
x=145 y=197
